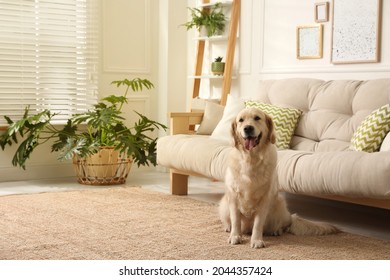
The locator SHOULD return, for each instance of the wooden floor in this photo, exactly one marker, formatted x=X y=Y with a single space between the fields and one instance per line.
x=357 y=219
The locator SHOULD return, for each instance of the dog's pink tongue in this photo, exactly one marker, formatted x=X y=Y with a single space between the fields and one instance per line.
x=250 y=143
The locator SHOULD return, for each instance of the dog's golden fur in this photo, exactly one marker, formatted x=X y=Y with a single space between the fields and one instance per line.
x=251 y=203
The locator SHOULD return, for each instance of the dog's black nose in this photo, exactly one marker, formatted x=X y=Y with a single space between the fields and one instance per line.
x=248 y=130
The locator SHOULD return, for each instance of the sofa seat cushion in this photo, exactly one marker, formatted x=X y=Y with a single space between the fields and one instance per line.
x=349 y=173
x=199 y=154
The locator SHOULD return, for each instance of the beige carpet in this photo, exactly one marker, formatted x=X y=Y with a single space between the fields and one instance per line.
x=133 y=223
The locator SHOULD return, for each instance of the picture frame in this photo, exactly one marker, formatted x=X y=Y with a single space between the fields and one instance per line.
x=309 y=41
x=321 y=12
x=355 y=31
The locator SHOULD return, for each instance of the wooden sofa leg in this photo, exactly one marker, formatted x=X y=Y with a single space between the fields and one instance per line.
x=179 y=184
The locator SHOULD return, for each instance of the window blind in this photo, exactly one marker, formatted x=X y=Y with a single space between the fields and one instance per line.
x=48 y=56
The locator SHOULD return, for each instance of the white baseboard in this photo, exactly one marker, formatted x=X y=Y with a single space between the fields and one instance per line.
x=35 y=172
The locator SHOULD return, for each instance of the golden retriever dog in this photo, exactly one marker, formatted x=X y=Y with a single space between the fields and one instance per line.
x=251 y=203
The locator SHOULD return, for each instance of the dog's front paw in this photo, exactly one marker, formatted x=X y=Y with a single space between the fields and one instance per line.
x=235 y=239
x=257 y=244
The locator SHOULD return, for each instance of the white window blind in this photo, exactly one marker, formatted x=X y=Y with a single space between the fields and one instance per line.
x=48 y=56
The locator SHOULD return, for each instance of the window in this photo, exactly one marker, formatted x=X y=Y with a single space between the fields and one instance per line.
x=48 y=56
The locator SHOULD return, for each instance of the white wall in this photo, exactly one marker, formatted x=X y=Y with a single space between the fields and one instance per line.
x=171 y=59
x=143 y=39
x=268 y=44
x=42 y=164
x=126 y=51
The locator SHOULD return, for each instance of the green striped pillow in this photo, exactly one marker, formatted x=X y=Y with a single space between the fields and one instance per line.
x=371 y=132
x=285 y=120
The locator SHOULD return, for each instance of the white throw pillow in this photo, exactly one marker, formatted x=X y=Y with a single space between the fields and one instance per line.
x=213 y=113
x=385 y=144
x=234 y=105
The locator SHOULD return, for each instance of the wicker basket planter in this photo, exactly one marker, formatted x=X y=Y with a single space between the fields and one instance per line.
x=107 y=167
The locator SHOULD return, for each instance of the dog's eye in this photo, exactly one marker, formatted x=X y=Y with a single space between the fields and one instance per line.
x=257 y=118
x=241 y=120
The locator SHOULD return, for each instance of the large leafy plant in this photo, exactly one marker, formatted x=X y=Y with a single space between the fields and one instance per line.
x=213 y=19
x=84 y=133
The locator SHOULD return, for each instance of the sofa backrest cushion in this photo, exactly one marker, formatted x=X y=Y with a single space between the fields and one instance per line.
x=332 y=110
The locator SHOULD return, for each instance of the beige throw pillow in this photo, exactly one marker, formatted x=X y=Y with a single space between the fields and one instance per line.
x=233 y=106
x=212 y=115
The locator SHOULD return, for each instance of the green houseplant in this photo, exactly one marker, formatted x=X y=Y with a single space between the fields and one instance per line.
x=86 y=134
x=212 y=19
x=218 y=67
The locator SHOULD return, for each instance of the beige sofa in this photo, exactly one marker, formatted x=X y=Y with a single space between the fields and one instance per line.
x=319 y=161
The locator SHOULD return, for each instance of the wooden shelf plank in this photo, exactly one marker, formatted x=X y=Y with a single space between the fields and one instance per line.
x=223 y=3
x=209 y=76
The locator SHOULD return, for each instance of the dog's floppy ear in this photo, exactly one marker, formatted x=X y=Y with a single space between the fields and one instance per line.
x=271 y=137
x=234 y=134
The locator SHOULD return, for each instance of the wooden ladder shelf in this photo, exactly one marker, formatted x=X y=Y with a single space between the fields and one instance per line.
x=229 y=57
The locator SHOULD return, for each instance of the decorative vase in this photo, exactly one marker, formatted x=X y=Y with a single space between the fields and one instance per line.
x=218 y=68
x=203 y=31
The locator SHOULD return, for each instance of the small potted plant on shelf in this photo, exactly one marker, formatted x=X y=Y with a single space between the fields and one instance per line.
x=102 y=147
x=218 y=67
x=208 y=21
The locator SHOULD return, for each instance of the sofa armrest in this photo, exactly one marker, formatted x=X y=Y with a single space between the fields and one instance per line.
x=184 y=123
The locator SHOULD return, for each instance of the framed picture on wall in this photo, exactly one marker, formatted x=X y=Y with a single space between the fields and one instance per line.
x=309 y=41
x=321 y=12
x=356 y=31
